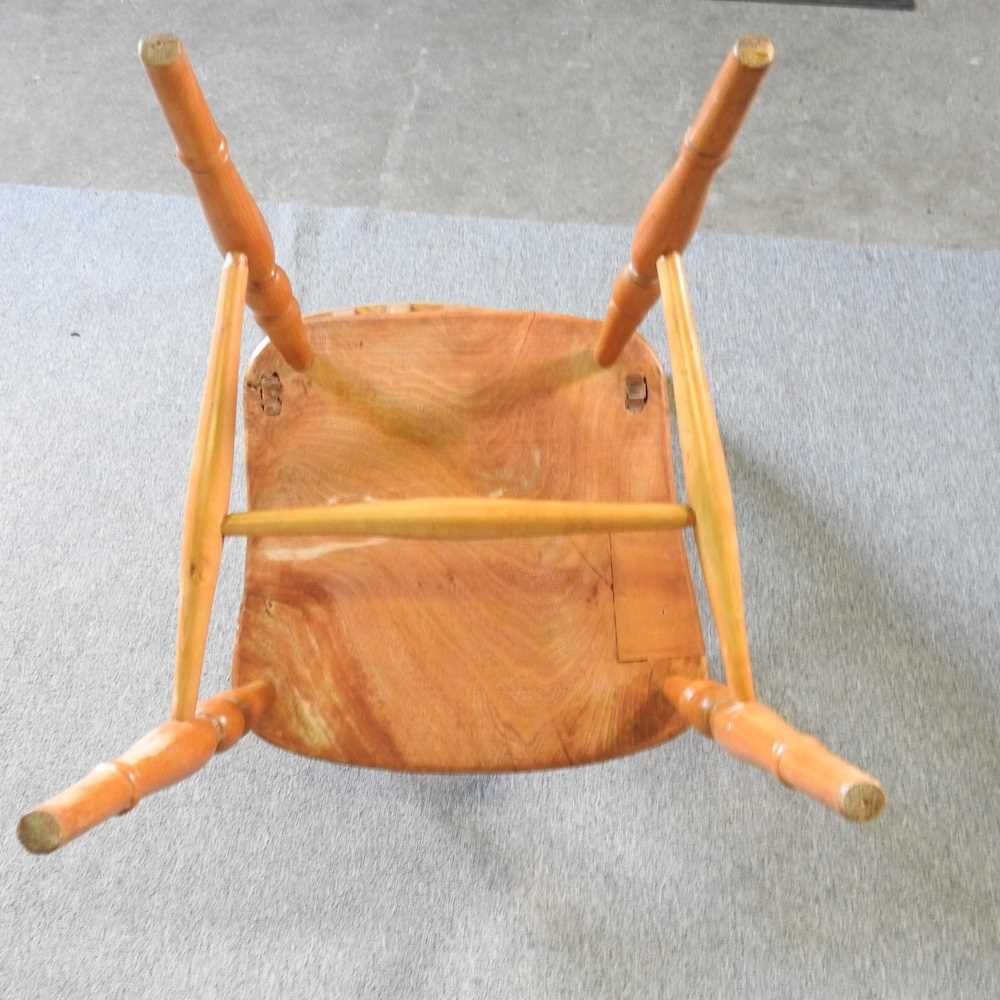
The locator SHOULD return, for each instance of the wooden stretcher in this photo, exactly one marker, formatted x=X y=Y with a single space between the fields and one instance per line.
x=464 y=546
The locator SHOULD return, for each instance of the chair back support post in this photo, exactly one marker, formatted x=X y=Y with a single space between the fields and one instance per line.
x=671 y=216
x=232 y=214
x=706 y=478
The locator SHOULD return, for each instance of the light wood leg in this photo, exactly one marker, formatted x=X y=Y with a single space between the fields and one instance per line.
x=671 y=216
x=208 y=488
x=233 y=216
x=169 y=753
x=755 y=733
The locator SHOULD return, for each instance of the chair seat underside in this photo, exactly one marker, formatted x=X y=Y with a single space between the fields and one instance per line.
x=462 y=656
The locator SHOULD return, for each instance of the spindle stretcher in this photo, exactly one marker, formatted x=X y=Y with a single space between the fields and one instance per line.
x=464 y=546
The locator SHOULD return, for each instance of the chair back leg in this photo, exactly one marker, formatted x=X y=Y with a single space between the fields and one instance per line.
x=672 y=214
x=233 y=216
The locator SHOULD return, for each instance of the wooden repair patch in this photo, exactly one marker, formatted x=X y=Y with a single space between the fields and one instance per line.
x=462 y=656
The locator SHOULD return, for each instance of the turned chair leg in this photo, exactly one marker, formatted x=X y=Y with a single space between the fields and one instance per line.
x=169 y=753
x=671 y=216
x=755 y=733
x=233 y=216
x=195 y=732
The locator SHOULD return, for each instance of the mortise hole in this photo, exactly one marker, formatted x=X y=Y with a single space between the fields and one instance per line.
x=636 y=392
x=270 y=394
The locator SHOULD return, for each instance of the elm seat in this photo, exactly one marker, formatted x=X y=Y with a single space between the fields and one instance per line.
x=538 y=652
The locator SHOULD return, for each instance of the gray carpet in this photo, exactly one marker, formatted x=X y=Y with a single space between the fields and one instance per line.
x=859 y=399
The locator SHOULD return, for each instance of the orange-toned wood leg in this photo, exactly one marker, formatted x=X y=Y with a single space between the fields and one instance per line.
x=755 y=733
x=233 y=216
x=165 y=756
x=671 y=216
x=208 y=487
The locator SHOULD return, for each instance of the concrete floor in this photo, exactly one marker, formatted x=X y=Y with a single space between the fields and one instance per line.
x=874 y=126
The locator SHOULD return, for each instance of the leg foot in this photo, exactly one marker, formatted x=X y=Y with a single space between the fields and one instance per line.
x=165 y=756
x=754 y=733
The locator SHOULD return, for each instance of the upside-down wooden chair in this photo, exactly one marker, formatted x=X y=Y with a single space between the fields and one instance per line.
x=463 y=547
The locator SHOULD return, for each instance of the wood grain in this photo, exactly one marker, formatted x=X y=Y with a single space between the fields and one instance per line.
x=672 y=213
x=209 y=483
x=706 y=479
x=169 y=753
x=462 y=656
x=461 y=519
x=757 y=734
x=232 y=214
